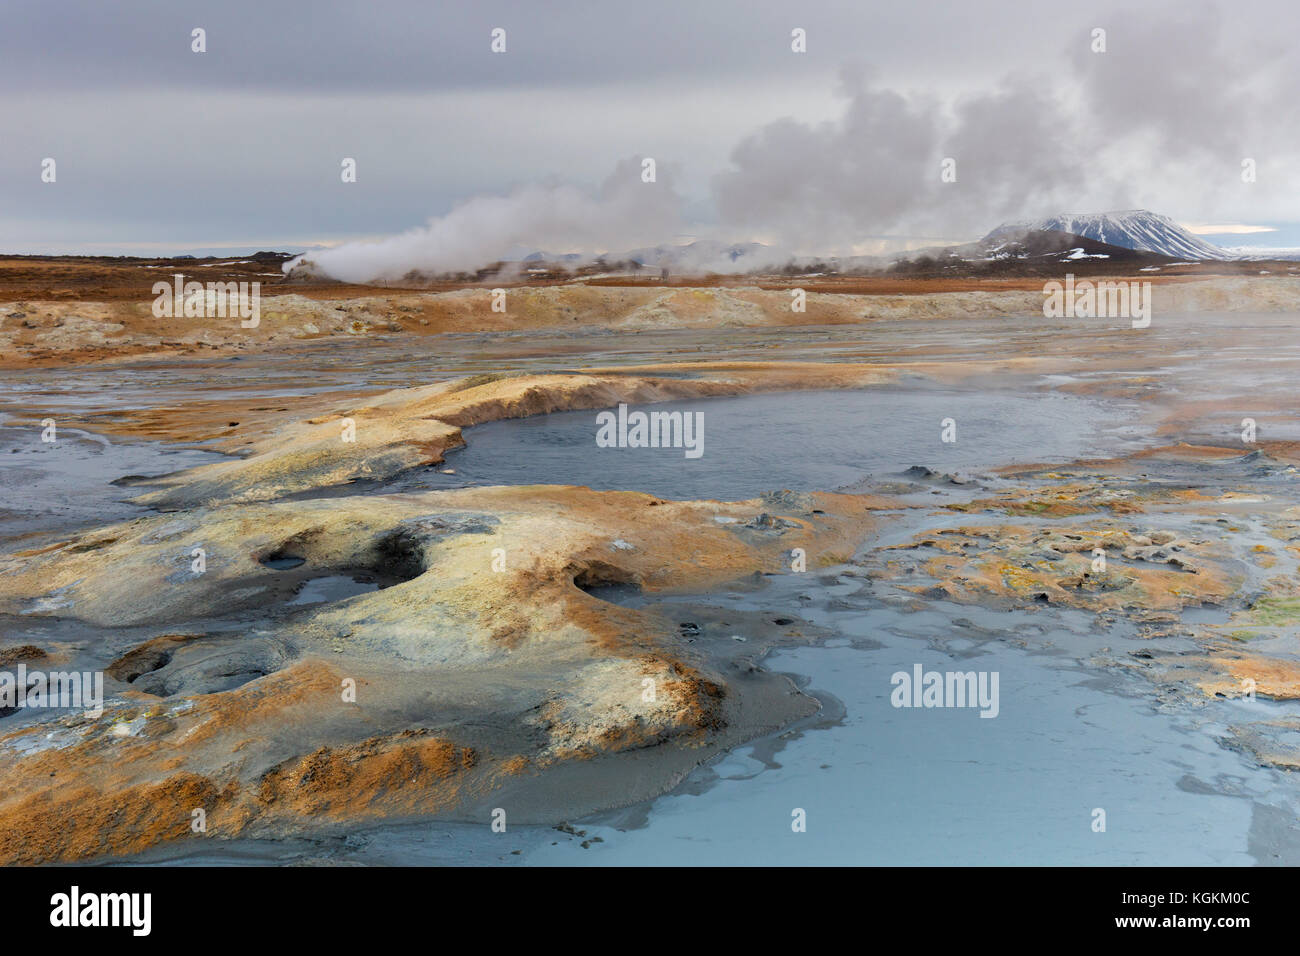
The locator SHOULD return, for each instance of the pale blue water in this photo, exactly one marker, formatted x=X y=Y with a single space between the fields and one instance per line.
x=68 y=483
x=803 y=441
x=909 y=786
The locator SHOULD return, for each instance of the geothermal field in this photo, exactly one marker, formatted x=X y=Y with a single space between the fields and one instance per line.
x=389 y=578
x=442 y=442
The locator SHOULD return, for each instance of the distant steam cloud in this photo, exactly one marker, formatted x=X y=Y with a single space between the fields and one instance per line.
x=821 y=187
x=557 y=217
x=825 y=188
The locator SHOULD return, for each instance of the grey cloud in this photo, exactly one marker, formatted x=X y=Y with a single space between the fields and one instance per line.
x=405 y=45
x=158 y=144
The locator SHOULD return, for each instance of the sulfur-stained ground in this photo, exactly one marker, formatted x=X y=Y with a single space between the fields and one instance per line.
x=480 y=668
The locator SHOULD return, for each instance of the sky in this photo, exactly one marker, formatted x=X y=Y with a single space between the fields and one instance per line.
x=464 y=154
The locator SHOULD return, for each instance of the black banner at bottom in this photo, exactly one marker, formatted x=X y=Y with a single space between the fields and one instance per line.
x=333 y=905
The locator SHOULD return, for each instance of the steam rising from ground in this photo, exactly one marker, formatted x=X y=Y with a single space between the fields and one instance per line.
x=554 y=216
x=1134 y=126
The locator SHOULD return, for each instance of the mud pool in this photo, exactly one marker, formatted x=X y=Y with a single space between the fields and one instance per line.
x=899 y=786
x=76 y=480
x=803 y=441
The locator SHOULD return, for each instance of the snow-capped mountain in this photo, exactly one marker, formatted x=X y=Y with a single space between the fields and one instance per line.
x=1132 y=229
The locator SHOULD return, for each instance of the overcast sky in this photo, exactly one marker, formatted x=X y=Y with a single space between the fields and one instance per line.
x=161 y=149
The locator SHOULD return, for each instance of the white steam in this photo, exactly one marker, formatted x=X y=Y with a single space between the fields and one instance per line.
x=556 y=217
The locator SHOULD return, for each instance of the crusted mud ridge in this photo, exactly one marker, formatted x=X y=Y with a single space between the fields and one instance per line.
x=479 y=661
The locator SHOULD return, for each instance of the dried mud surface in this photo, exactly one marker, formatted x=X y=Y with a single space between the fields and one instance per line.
x=61 y=312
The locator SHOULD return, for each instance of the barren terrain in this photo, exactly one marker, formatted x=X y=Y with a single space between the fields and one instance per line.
x=484 y=668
